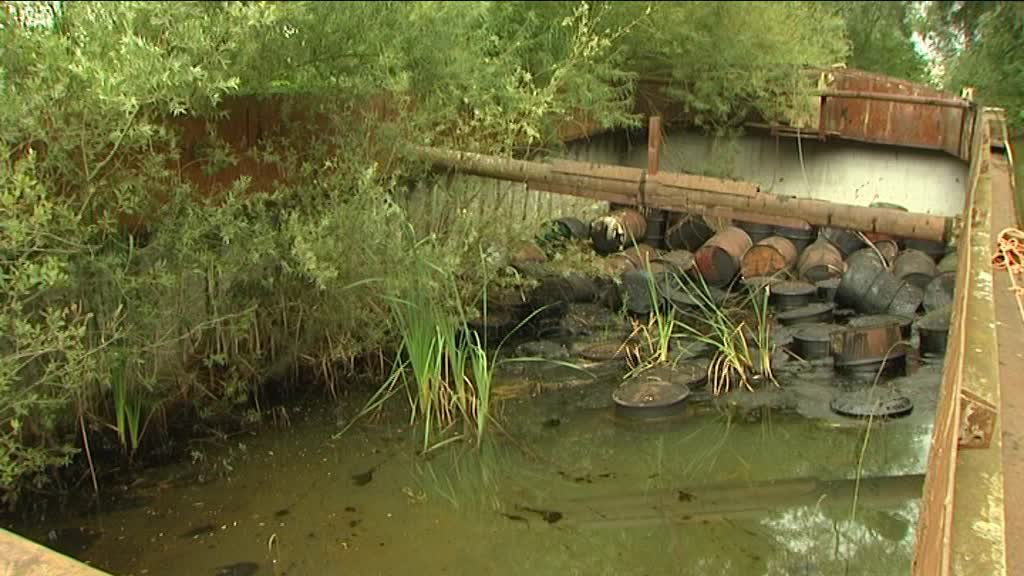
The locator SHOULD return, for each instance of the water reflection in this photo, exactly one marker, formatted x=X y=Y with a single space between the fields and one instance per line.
x=564 y=488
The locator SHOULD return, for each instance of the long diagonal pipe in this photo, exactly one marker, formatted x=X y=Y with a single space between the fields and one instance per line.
x=682 y=192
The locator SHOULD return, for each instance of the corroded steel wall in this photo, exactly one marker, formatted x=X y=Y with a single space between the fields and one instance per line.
x=917 y=125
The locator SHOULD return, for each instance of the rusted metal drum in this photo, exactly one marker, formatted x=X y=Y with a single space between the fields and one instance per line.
x=813 y=313
x=676 y=262
x=618 y=230
x=871 y=402
x=640 y=256
x=847 y=241
x=874 y=345
x=617 y=264
x=800 y=237
x=718 y=260
x=827 y=289
x=791 y=294
x=756 y=230
x=820 y=261
x=603 y=352
x=949 y=263
x=687 y=232
x=862 y=267
x=915 y=267
x=932 y=248
x=934 y=333
x=635 y=292
x=889 y=250
x=939 y=293
x=880 y=294
x=658 y=393
x=656 y=228
x=769 y=257
x=814 y=341
x=760 y=282
x=905 y=323
x=907 y=300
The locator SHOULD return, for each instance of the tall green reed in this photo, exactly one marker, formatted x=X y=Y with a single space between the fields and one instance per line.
x=724 y=327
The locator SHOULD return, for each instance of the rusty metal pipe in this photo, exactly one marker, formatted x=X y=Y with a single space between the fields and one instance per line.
x=899 y=98
x=685 y=193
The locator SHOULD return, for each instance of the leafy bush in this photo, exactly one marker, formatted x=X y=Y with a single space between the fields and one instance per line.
x=131 y=295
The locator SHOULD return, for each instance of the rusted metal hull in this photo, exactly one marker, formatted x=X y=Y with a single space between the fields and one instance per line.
x=961 y=524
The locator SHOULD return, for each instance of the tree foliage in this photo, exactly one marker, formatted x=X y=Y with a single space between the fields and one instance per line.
x=727 y=61
x=106 y=323
x=881 y=38
x=982 y=45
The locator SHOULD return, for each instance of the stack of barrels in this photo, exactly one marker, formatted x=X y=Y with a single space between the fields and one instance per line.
x=813 y=276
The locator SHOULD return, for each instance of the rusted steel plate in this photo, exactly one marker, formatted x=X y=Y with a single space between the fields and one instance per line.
x=862 y=106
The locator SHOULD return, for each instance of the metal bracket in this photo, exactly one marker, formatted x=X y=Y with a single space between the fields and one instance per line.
x=977 y=421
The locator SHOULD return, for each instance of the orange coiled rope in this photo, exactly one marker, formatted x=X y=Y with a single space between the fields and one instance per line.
x=1010 y=257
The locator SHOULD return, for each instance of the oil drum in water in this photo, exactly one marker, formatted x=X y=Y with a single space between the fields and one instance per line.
x=869 y=347
x=933 y=248
x=656 y=222
x=915 y=267
x=718 y=260
x=814 y=341
x=756 y=230
x=658 y=393
x=827 y=289
x=768 y=257
x=618 y=230
x=847 y=241
x=949 y=263
x=905 y=323
x=640 y=256
x=676 y=262
x=790 y=295
x=907 y=300
x=934 y=332
x=800 y=237
x=617 y=264
x=939 y=293
x=820 y=261
x=889 y=250
x=880 y=294
x=813 y=313
x=687 y=232
x=635 y=292
x=862 y=267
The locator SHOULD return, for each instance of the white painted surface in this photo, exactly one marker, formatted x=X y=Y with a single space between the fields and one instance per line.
x=845 y=172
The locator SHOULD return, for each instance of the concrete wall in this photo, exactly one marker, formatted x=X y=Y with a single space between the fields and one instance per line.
x=850 y=173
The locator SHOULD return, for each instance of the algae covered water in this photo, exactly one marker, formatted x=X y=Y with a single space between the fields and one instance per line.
x=564 y=488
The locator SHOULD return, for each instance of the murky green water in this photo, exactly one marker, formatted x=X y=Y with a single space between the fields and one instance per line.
x=568 y=490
